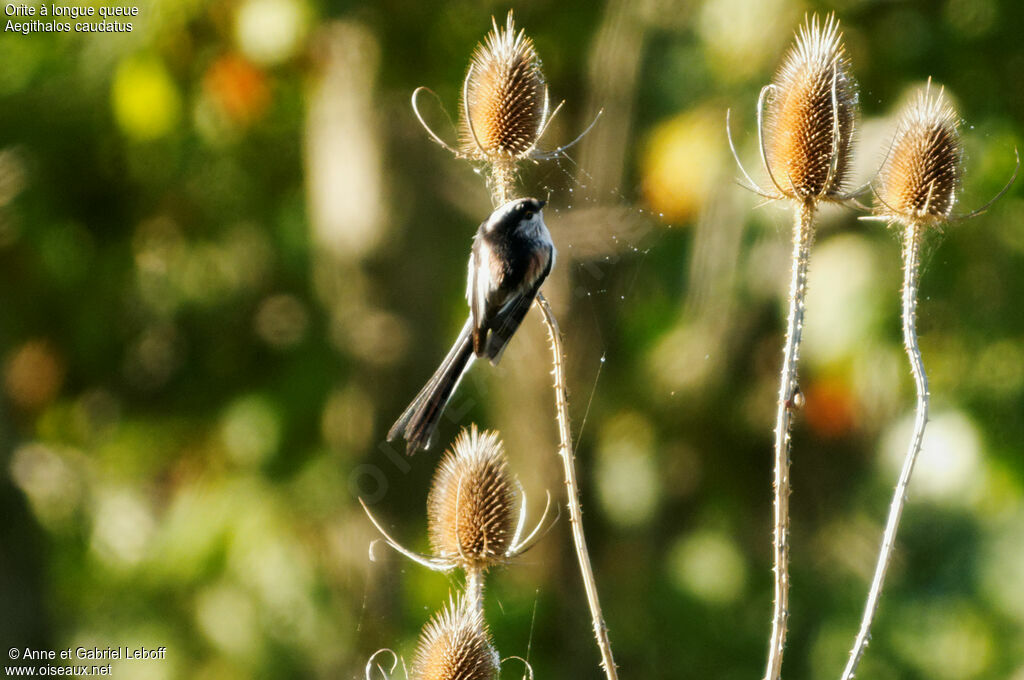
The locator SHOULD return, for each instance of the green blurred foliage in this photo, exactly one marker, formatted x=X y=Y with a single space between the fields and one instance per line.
x=229 y=256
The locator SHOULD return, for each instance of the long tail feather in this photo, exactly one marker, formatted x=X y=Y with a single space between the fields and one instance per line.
x=419 y=421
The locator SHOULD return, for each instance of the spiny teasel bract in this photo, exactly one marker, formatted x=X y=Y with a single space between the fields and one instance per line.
x=504 y=105
x=471 y=507
x=811 y=115
x=922 y=173
x=455 y=645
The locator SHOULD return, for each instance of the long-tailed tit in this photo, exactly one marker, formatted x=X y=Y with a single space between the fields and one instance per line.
x=512 y=255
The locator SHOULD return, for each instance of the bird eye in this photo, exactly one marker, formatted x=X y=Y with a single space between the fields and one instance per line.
x=528 y=215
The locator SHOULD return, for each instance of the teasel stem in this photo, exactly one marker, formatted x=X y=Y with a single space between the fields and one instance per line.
x=565 y=451
x=803 y=236
x=475 y=588
x=502 y=182
x=911 y=276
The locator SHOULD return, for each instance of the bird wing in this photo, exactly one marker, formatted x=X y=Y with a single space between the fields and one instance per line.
x=480 y=283
x=511 y=314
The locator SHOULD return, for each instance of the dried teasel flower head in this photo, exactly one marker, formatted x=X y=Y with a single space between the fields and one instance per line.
x=456 y=645
x=505 y=109
x=471 y=507
x=505 y=100
x=922 y=172
x=810 y=115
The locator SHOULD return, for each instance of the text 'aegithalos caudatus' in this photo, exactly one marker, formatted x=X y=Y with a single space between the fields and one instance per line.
x=511 y=256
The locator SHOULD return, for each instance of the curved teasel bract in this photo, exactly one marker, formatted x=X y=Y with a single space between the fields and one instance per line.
x=471 y=508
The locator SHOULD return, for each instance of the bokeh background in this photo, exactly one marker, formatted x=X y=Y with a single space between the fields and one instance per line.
x=229 y=256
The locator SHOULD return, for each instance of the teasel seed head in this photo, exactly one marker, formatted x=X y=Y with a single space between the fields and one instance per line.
x=456 y=645
x=921 y=175
x=811 y=115
x=504 y=105
x=471 y=507
x=505 y=109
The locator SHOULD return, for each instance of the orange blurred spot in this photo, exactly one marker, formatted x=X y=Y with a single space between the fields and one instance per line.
x=33 y=374
x=239 y=89
x=829 y=408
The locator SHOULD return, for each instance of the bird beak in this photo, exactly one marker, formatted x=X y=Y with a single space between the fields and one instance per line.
x=542 y=203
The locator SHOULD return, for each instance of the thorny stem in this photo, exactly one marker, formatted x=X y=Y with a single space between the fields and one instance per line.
x=911 y=269
x=803 y=235
x=565 y=451
x=502 y=182
x=475 y=587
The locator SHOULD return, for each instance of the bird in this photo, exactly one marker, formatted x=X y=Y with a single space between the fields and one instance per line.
x=511 y=256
